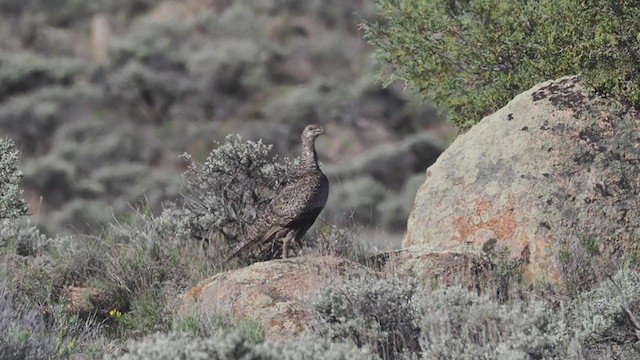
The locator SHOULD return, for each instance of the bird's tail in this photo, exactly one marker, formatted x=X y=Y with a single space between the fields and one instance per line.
x=238 y=251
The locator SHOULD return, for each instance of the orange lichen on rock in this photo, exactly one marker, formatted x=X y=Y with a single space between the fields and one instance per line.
x=502 y=223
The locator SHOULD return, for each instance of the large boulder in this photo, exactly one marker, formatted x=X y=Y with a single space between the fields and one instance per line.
x=552 y=177
x=272 y=292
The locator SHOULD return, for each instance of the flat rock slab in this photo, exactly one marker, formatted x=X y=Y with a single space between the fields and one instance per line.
x=273 y=292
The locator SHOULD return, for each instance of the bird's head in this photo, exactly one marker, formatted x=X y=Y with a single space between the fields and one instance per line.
x=311 y=132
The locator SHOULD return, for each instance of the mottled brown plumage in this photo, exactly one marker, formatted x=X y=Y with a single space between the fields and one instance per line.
x=296 y=206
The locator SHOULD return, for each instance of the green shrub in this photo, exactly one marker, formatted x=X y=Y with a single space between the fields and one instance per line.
x=472 y=57
x=234 y=67
x=32 y=279
x=577 y=266
x=314 y=348
x=85 y=197
x=149 y=94
x=11 y=203
x=151 y=43
x=184 y=346
x=27 y=266
x=137 y=268
x=377 y=313
x=78 y=217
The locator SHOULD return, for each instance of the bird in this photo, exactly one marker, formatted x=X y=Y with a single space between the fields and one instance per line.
x=297 y=204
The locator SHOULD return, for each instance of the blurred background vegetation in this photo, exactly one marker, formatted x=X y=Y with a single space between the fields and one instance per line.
x=102 y=97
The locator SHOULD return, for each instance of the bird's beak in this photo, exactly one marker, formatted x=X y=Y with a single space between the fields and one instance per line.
x=321 y=130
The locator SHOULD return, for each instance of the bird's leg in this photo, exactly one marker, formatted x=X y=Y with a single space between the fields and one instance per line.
x=285 y=243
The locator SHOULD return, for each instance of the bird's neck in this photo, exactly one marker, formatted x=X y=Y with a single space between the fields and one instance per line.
x=309 y=157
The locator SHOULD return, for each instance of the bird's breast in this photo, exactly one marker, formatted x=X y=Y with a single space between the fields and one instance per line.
x=322 y=192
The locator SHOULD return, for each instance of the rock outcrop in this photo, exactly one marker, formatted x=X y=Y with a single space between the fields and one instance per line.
x=551 y=176
x=273 y=292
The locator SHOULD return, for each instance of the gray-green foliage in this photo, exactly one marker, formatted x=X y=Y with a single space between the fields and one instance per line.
x=394 y=210
x=30 y=116
x=65 y=13
x=136 y=267
x=69 y=173
x=331 y=240
x=225 y=193
x=21 y=72
x=23 y=240
x=300 y=105
x=377 y=313
x=472 y=57
x=399 y=320
x=355 y=201
x=24 y=331
x=228 y=68
x=28 y=334
x=233 y=345
x=201 y=325
x=11 y=203
x=27 y=266
x=392 y=163
x=601 y=313
x=458 y=324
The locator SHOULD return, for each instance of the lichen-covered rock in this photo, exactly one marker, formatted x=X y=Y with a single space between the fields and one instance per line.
x=273 y=292
x=556 y=170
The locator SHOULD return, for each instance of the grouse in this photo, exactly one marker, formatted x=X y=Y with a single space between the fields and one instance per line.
x=296 y=206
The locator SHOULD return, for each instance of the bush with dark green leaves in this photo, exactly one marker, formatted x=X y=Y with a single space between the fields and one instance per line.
x=471 y=57
x=11 y=203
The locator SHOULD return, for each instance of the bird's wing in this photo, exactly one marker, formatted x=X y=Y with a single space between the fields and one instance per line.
x=289 y=206
x=286 y=209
